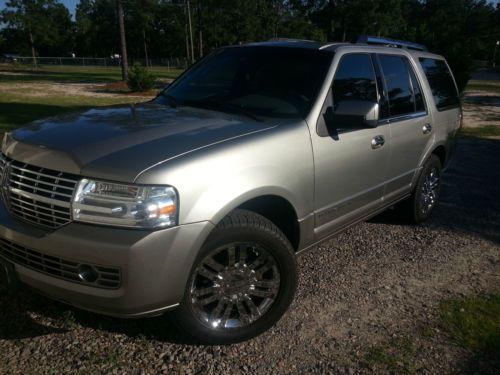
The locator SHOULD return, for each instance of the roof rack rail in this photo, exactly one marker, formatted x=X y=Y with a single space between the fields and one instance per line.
x=368 y=39
x=278 y=39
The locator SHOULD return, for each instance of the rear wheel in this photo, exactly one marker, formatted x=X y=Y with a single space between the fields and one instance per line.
x=242 y=282
x=424 y=199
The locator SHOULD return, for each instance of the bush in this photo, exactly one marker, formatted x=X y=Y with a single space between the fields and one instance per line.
x=140 y=79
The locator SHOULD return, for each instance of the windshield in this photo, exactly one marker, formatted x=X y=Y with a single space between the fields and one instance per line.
x=256 y=81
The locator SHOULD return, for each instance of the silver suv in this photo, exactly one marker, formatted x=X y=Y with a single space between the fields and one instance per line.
x=199 y=201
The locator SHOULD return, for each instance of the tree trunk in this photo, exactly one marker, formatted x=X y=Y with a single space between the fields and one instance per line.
x=190 y=31
x=123 y=40
x=32 y=45
x=145 y=48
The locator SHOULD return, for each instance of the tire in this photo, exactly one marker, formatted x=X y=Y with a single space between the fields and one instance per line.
x=262 y=271
x=419 y=206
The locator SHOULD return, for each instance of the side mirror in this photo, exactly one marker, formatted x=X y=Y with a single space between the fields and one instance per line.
x=353 y=114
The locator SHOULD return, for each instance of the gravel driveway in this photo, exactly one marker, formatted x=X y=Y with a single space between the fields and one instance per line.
x=367 y=300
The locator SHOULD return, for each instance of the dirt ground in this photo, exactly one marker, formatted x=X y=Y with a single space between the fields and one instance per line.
x=367 y=300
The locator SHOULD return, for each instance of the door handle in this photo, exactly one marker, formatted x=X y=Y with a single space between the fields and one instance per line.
x=378 y=141
x=427 y=128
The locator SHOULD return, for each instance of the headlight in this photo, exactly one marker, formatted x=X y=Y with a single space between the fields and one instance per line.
x=133 y=206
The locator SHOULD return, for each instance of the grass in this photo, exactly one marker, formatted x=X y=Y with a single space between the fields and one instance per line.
x=481 y=131
x=75 y=74
x=19 y=105
x=394 y=357
x=489 y=86
x=474 y=324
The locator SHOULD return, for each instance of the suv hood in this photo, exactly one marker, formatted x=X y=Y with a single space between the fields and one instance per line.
x=118 y=143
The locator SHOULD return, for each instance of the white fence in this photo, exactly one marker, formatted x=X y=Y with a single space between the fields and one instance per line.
x=170 y=62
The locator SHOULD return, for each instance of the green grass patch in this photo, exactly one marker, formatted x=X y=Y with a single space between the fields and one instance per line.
x=75 y=74
x=19 y=105
x=487 y=87
x=474 y=324
x=17 y=110
x=481 y=131
x=394 y=357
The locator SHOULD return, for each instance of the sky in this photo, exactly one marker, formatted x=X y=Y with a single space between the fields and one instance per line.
x=71 y=4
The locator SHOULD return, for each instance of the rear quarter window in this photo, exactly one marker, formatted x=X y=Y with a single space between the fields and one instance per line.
x=441 y=83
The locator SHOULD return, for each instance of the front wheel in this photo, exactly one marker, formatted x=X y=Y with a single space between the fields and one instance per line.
x=242 y=282
x=424 y=199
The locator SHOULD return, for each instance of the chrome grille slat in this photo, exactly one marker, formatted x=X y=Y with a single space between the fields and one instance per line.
x=57 y=267
x=41 y=182
x=55 y=210
x=42 y=174
x=37 y=195
x=39 y=189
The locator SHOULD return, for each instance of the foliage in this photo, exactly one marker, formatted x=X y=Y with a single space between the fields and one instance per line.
x=140 y=79
x=461 y=30
x=48 y=21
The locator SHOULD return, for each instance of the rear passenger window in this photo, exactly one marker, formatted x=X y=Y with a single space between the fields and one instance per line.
x=399 y=89
x=355 y=79
x=441 y=82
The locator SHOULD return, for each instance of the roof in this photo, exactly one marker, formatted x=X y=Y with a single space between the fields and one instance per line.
x=332 y=46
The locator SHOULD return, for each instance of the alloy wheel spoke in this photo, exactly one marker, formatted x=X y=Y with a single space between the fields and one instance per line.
x=261 y=259
x=227 y=313
x=251 y=306
x=217 y=311
x=210 y=299
x=231 y=256
x=212 y=263
x=245 y=318
x=261 y=293
x=205 y=291
x=268 y=284
x=242 y=255
x=208 y=274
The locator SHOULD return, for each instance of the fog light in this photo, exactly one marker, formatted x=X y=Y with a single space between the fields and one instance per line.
x=87 y=273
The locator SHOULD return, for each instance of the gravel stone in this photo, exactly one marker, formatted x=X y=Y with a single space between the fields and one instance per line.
x=377 y=285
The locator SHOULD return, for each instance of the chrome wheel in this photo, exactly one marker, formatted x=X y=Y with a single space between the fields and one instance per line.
x=429 y=192
x=234 y=285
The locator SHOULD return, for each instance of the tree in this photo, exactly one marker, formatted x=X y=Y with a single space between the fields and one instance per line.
x=42 y=23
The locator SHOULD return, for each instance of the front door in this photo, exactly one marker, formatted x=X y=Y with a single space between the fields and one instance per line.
x=350 y=162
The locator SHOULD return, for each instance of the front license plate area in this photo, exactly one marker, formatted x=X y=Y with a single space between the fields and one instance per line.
x=8 y=277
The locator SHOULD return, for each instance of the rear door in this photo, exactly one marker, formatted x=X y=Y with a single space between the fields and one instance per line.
x=409 y=120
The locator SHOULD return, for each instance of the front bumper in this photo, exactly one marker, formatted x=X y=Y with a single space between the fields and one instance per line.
x=154 y=266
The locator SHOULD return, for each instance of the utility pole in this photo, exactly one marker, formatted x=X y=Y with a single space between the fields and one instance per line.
x=190 y=30
x=200 y=29
x=186 y=32
x=495 y=52
x=123 y=41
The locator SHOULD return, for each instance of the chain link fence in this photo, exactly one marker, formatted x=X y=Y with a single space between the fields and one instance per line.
x=169 y=63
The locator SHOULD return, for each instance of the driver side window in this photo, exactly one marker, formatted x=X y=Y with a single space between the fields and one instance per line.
x=354 y=80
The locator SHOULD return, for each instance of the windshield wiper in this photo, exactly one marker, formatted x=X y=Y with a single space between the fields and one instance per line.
x=224 y=107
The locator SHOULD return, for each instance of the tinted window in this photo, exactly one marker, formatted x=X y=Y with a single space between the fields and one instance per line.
x=275 y=82
x=417 y=91
x=398 y=86
x=354 y=80
x=441 y=82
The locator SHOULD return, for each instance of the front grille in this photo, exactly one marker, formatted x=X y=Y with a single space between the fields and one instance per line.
x=37 y=195
x=107 y=277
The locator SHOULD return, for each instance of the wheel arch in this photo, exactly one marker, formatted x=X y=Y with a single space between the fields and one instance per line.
x=274 y=207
